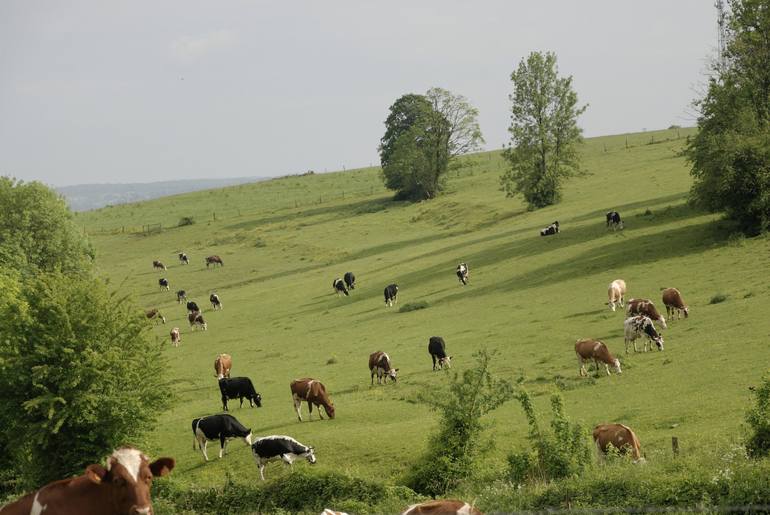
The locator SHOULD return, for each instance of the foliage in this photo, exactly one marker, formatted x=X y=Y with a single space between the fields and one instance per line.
x=186 y=220
x=730 y=154
x=453 y=449
x=758 y=419
x=544 y=131
x=718 y=298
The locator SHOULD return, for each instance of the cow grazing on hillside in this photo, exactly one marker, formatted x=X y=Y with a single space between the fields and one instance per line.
x=163 y=283
x=338 y=285
x=462 y=273
x=239 y=388
x=313 y=392
x=551 y=229
x=183 y=258
x=280 y=447
x=647 y=308
x=614 y=221
x=674 y=303
x=196 y=320
x=616 y=293
x=618 y=436
x=218 y=427
x=379 y=363
x=214 y=260
x=222 y=365
x=180 y=296
x=154 y=314
x=192 y=307
x=638 y=326
x=157 y=265
x=176 y=337
x=121 y=486
x=588 y=349
x=350 y=280
x=215 y=302
x=442 y=507
x=437 y=351
x=391 y=294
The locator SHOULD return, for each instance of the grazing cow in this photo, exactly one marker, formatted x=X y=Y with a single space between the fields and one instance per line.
x=157 y=265
x=154 y=314
x=672 y=299
x=391 y=294
x=163 y=283
x=239 y=388
x=279 y=447
x=635 y=327
x=647 y=308
x=222 y=365
x=587 y=349
x=616 y=293
x=183 y=258
x=551 y=229
x=214 y=260
x=121 y=486
x=215 y=302
x=192 y=307
x=379 y=363
x=314 y=392
x=196 y=320
x=442 y=507
x=437 y=350
x=618 y=436
x=180 y=296
x=219 y=427
x=176 y=337
x=338 y=285
x=614 y=221
x=462 y=273
x=350 y=280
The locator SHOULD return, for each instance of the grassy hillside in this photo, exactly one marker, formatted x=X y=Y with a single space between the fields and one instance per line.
x=529 y=299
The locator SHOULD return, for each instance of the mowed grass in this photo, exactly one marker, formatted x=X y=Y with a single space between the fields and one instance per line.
x=529 y=299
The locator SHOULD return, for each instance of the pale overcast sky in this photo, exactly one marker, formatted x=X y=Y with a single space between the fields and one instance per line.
x=136 y=91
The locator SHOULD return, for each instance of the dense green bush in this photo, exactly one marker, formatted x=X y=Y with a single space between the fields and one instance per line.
x=413 y=306
x=186 y=220
x=758 y=419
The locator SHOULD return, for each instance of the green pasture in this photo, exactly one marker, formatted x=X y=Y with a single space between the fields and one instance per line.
x=529 y=299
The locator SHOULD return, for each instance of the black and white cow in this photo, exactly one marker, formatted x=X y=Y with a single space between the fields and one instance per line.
x=183 y=258
x=338 y=285
x=196 y=320
x=192 y=307
x=163 y=283
x=613 y=220
x=462 y=273
x=218 y=427
x=180 y=296
x=437 y=350
x=350 y=280
x=279 y=447
x=551 y=229
x=239 y=388
x=215 y=302
x=391 y=293
x=639 y=326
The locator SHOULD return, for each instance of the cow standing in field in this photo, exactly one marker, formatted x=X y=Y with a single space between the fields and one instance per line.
x=215 y=302
x=192 y=307
x=183 y=258
x=121 y=486
x=176 y=337
x=618 y=436
x=638 y=326
x=218 y=427
x=280 y=447
x=313 y=392
x=154 y=314
x=588 y=349
x=163 y=283
x=551 y=229
x=157 y=265
x=222 y=365
x=462 y=273
x=616 y=293
x=442 y=507
x=338 y=285
x=350 y=280
x=214 y=260
x=614 y=221
x=239 y=388
x=391 y=294
x=196 y=320
x=180 y=296
x=674 y=303
x=647 y=308
x=379 y=364
x=437 y=351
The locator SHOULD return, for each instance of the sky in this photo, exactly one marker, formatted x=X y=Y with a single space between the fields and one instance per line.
x=140 y=91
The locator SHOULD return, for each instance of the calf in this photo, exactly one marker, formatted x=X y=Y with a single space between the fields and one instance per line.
x=215 y=302
x=441 y=507
x=196 y=320
x=338 y=285
x=437 y=350
x=314 y=392
x=154 y=314
x=121 y=486
x=176 y=337
x=647 y=308
x=616 y=293
x=180 y=296
x=239 y=388
x=214 y=260
x=379 y=363
x=157 y=265
x=672 y=299
x=614 y=221
x=588 y=349
x=163 y=283
x=551 y=229
x=391 y=294
x=618 y=436
x=222 y=365
x=279 y=447
x=183 y=258
x=221 y=427
x=350 y=280
x=192 y=307
x=462 y=273
x=635 y=327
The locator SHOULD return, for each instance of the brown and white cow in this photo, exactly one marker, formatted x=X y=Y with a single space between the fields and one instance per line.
x=121 y=487
x=314 y=392
x=674 y=303
x=379 y=363
x=157 y=265
x=222 y=365
x=154 y=314
x=588 y=349
x=616 y=293
x=176 y=337
x=214 y=260
x=442 y=507
x=647 y=308
x=196 y=320
x=618 y=436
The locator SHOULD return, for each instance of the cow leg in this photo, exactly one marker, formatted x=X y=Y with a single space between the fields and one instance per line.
x=261 y=469
x=607 y=368
x=222 y=445
x=372 y=374
x=318 y=409
x=224 y=403
x=297 y=405
x=241 y=402
x=433 y=357
x=203 y=448
x=581 y=370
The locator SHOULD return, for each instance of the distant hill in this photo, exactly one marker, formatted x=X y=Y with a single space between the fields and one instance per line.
x=84 y=197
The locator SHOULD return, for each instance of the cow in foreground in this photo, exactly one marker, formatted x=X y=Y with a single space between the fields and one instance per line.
x=379 y=363
x=647 y=308
x=350 y=280
x=674 y=303
x=588 y=349
x=239 y=388
x=196 y=320
x=121 y=486
x=192 y=307
x=338 y=285
x=214 y=260
x=614 y=221
x=550 y=230
x=215 y=302
x=163 y=283
x=181 y=295
x=437 y=351
x=157 y=265
x=639 y=326
x=183 y=258
x=618 y=436
x=314 y=392
x=391 y=294
x=218 y=427
x=616 y=293
x=462 y=273
x=154 y=314
x=222 y=365
x=280 y=447
x=442 y=507
x=176 y=337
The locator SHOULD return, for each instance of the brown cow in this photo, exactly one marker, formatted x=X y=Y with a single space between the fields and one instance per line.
x=157 y=265
x=647 y=308
x=154 y=314
x=122 y=486
x=196 y=319
x=379 y=363
x=176 y=337
x=214 y=260
x=442 y=507
x=674 y=303
x=620 y=437
x=314 y=392
x=588 y=349
x=222 y=365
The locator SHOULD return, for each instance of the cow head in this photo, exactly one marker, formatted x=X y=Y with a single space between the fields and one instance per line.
x=329 y=409
x=659 y=342
x=445 y=361
x=686 y=311
x=393 y=374
x=310 y=455
x=257 y=398
x=248 y=438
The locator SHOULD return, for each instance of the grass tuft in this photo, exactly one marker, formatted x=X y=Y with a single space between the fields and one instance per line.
x=719 y=297
x=413 y=306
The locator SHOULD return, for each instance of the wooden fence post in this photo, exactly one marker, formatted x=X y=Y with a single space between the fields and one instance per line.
x=675 y=445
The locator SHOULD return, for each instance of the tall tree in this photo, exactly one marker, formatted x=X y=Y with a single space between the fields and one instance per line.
x=544 y=131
